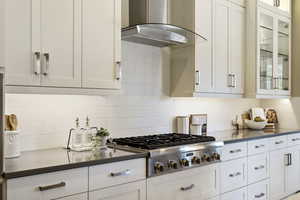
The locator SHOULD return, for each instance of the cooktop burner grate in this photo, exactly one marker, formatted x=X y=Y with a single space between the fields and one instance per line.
x=152 y=142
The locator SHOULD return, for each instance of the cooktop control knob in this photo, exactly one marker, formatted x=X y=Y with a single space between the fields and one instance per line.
x=196 y=160
x=216 y=156
x=205 y=158
x=184 y=162
x=158 y=167
x=173 y=164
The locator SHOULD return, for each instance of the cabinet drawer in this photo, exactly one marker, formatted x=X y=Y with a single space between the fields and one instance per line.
x=293 y=139
x=233 y=174
x=278 y=142
x=240 y=194
x=48 y=186
x=234 y=151
x=258 y=168
x=107 y=175
x=196 y=183
x=259 y=191
x=258 y=146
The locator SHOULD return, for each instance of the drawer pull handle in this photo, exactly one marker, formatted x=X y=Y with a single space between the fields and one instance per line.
x=259 y=146
x=187 y=188
x=123 y=173
x=259 y=195
x=236 y=151
x=295 y=139
x=234 y=175
x=279 y=142
x=259 y=167
x=50 y=187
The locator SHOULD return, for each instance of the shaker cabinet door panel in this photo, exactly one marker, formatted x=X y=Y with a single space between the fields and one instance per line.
x=130 y=191
x=60 y=36
x=293 y=170
x=22 y=41
x=101 y=64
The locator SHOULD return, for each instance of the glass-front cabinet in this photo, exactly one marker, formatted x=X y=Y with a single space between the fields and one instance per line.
x=273 y=54
x=283 y=5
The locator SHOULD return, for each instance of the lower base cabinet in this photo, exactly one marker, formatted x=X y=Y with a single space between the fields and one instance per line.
x=83 y=196
x=130 y=191
x=235 y=195
x=259 y=191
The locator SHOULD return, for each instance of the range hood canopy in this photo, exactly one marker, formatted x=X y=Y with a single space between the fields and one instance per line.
x=147 y=26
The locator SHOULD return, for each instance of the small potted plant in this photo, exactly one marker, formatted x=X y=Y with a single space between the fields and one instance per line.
x=100 y=138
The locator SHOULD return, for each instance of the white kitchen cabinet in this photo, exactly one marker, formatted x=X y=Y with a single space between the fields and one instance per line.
x=229 y=47
x=101 y=44
x=240 y=194
x=197 y=183
x=269 y=53
x=42 y=46
x=130 y=191
x=259 y=191
x=293 y=170
x=233 y=174
x=49 y=186
x=277 y=174
x=83 y=196
x=2 y=33
x=282 y=6
x=258 y=168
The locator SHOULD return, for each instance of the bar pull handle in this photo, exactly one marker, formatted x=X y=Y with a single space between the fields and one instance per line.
x=235 y=174
x=118 y=71
x=259 y=146
x=259 y=167
x=259 y=195
x=230 y=80
x=37 y=63
x=46 y=63
x=279 y=142
x=54 y=186
x=123 y=173
x=235 y=151
x=197 y=78
x=187 y=188
x=233 y=81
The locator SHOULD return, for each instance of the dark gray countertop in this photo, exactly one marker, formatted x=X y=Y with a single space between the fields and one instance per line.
x=232 y=136
x=50 y=160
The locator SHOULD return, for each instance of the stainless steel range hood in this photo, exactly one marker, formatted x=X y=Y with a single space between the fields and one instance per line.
x=148 y=25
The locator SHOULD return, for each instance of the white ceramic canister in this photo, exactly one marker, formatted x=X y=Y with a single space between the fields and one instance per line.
x=12 y=144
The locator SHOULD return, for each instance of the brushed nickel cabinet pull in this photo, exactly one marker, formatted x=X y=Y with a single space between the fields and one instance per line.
x=259 y=195
x=37 y=63
x=235 y=151
x=46 y=63
x=259 y=167
x=235 y=174
x=279 y=142
x=233 y=81
x=187 y=188
x=123 y=173
x=118 y=71
x=50 y=187
x=259 y=146
x=230 y=80
x=197 y=78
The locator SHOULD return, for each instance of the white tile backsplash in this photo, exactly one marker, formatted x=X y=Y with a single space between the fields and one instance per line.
x=143 y=106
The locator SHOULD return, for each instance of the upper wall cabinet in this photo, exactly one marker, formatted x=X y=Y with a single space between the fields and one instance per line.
x=283 y=6
x=1 y=33
x=269 y=53
x=215 y=67
x=63 y=43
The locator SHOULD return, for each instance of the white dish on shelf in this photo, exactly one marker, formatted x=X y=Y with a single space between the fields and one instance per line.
x=256 y=125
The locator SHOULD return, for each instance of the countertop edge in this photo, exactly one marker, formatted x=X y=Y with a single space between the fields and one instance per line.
x=261 y=137
x=45 y=170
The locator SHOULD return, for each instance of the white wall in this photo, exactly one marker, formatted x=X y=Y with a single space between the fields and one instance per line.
x=142 y=108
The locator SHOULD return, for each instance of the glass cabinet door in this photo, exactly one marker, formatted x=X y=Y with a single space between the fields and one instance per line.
x=266 y=51
x=283 y=58
x=284 y=5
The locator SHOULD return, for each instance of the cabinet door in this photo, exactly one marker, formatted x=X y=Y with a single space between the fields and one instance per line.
x=101 y=64
x=283 y=69
x=22 y=41
x=83 y=196
x=258 y=168
x=1 y=33
x=131 y=191
x=277 y=174
x=221 y=50
x=282 y=5
x=293 y=170
x=61 y=45
x=237 y=47
x=203 y=50
x=266 y=52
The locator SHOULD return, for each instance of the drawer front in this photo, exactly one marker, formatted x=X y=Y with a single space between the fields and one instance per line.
x=234 y=151
x=233 y=174
x=48 y=186
x=258 y=146
x=258 y=168
x=293 y=139
x=197 y=183
x=278 y=142
x=259 y=191
x=111 y=174
x=238 y=195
